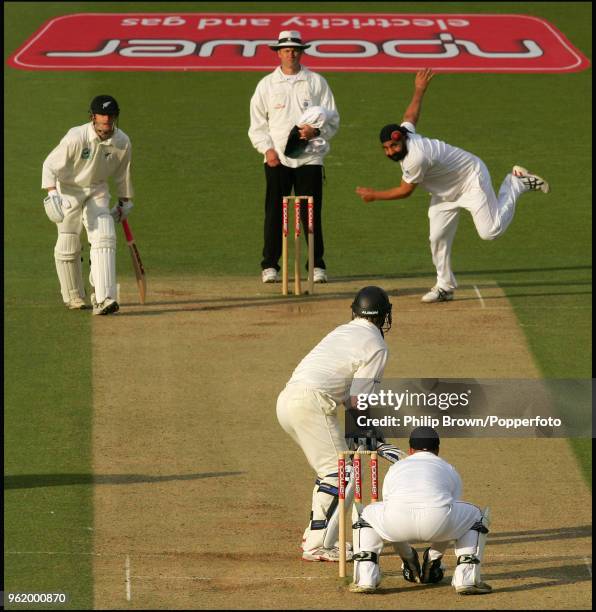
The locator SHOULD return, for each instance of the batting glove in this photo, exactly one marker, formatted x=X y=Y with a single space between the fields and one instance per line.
x=121 y=210
x=53 y=206
x=369 y=439
x=390 y=452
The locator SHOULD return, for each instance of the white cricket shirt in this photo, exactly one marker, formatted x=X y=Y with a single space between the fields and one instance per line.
x=278 y=103
x=355 y=350
x=82 y=159
x=439 y=168
x=422 y=480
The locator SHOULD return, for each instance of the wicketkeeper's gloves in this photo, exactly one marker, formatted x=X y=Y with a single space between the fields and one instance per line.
x=390 y=452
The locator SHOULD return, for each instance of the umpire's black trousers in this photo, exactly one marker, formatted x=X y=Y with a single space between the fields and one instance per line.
x=305 y=180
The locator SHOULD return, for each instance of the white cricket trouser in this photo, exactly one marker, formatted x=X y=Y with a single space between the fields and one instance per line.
x=404 y=525
x=309 y=416
x=89 y=207
x=492 y=215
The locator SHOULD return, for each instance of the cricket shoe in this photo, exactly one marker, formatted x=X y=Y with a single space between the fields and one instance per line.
x=320 y=275
x=436 y=294
x=361 y=588
x=349 y=547
x=411 y=568
x=76 y=304
x=270 y=275
x=532 y=181
x=480 y=588
x=325 y=554
x=108 y=306
x=432 y=571
x=364 y=588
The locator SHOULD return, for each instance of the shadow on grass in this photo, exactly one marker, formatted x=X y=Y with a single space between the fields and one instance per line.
x=233 y=303
x=32 y=481
x=557 y=533
x=556 y=576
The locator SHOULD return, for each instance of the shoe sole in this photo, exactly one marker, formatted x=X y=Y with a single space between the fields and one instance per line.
x=473 y=590
x=108 y=310
x=438 y=300
x=362 y=589
x=313 y=559
x=519 y=172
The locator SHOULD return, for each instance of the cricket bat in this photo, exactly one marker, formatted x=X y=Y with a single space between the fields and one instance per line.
x=137 y=264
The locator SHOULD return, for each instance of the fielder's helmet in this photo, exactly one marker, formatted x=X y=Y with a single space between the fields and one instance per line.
x=104 y=105
x=373 y=303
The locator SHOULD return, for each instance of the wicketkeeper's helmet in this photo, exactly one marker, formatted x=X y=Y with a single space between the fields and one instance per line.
x=424 y=438
x=373 y=303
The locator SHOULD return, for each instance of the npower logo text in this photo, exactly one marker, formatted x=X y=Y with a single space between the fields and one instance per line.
x=350 y=42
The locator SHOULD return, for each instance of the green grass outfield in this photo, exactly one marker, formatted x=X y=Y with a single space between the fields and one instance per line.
x=199 y=190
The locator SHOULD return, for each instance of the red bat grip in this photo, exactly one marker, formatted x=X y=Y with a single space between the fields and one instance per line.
x=127 y=232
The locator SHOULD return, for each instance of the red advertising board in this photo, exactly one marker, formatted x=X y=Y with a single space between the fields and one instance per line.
x=369 y=42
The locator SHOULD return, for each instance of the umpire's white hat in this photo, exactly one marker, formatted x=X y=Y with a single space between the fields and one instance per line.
x=289 y=38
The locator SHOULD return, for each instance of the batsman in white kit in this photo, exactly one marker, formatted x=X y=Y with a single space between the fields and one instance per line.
x=456 y=180
x=348 y=361
x=76 y=176
x=421 y=503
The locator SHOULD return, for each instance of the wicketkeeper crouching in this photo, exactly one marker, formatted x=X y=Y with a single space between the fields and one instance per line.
x=421 y=503
x=76 y=176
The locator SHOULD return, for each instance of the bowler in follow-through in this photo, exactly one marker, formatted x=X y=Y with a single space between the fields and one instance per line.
x=456 y=180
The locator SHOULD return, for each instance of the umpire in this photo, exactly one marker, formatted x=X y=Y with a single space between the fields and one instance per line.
x=277 y=106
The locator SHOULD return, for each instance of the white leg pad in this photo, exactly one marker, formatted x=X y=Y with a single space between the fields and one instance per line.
x=67 y=255
x=368 y=546
x=323 y=530
x=332 y=532
x=103 y=259
x=469 y=550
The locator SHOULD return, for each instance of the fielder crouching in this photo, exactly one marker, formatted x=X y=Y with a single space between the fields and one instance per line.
x=76 y=176
x=421 y=504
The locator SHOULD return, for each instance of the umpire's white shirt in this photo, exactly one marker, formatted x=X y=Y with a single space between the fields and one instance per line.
x=441 y=169
x=276 y=106
x=352 y=351
x=422 y=480
x=83 y=160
